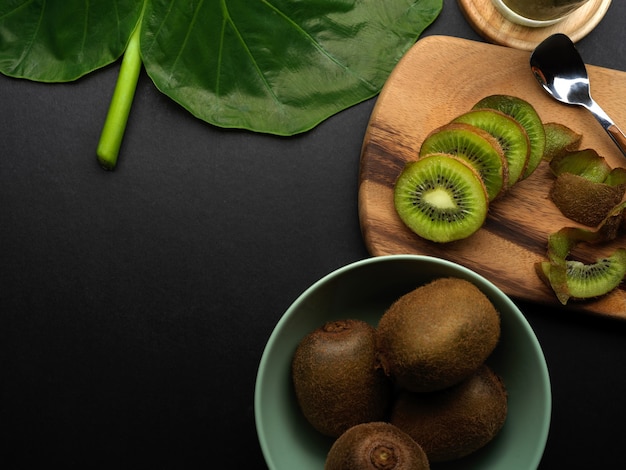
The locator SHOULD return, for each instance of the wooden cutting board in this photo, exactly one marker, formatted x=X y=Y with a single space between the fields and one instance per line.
x=439 y=78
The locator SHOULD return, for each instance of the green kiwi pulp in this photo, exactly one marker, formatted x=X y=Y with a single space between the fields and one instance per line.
x=474 y=145
x=585 y=281
x=524 y=113
x=437 y=335
x=511 y=136
x=455 y=422
x=376 y=446
x=586 y=163
x=441 y=198
x=337 y=377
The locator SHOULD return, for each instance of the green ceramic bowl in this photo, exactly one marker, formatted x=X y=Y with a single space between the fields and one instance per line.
x=364 y=290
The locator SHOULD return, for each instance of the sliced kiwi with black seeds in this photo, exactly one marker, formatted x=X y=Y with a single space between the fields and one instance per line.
x=509 y=133
x=586 y=281
x=524 y=113
x=441 y=198
x=474 y=145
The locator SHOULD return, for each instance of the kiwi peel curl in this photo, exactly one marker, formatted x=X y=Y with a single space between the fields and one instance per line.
x=560 y=140
x=572 y=279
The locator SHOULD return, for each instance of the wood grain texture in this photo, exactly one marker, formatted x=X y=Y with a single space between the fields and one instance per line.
x=439 y=78
x=491 y=25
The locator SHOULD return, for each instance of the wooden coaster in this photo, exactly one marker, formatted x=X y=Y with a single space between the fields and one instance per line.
x=489 y=23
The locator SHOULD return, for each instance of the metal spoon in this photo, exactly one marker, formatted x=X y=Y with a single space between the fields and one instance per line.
x=560 y=70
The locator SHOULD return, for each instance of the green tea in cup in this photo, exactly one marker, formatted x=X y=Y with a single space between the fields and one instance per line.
x=537 y=12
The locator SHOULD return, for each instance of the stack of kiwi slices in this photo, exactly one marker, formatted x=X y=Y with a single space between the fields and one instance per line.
x=462 y=166
x=414 y=390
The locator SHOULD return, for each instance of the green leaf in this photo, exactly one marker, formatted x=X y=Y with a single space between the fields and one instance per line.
x=273 y=66
x=62 y=40
x=279 y=66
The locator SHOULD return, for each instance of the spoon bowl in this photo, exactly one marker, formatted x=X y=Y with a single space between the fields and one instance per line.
x=561 y=72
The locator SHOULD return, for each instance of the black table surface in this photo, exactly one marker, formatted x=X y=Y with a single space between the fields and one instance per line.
x=135 y=305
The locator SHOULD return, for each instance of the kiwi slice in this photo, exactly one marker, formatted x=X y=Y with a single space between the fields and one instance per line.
x=455 y=422
x=585 y=281
x=563 y=275
x=437 y=335
x=441 y=198
x=376 y=446
x=337 y=377
x=524 y=113
x=508 y=132
x=474 y=145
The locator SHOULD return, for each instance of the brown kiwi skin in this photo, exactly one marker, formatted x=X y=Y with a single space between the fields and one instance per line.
x=584 y=201
x=376 y=446
x=437 y=335
x=455 y=422
x=338 y=379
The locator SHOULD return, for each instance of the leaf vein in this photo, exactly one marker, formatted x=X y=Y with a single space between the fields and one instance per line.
x=20 y=61
x=247 y=50
x=316 y=44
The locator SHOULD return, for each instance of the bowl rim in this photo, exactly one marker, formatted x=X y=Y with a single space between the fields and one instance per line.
x=542 y=431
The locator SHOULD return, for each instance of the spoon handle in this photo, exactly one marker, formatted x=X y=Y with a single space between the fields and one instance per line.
x=607 y=123
x=618 y=137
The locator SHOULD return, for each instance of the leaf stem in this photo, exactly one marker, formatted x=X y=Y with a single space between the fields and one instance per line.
x=119 y=109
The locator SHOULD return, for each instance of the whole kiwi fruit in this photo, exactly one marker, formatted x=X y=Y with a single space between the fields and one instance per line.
x=437 y=335
x=455 y=422
x=376 y=446
x=337 y=377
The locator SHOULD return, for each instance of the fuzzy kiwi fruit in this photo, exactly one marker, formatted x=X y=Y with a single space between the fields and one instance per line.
x=376 y=446
x=441 y=198
x=474 y=145
x=337 y=377
x=509 y=133
x=455 y=422
x=524 y=113
x=437 y=335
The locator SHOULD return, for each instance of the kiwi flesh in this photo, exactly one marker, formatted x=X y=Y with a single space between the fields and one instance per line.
x=455 y=422
x=376 y=446
x=585 y=281
x=508 y=132
x=474 y=145
x=337 y=377
x=586 y=163
x=524 y=113
x=441 y=198
x=437 y=335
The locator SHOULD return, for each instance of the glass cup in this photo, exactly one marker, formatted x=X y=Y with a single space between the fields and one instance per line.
x=537 y=13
